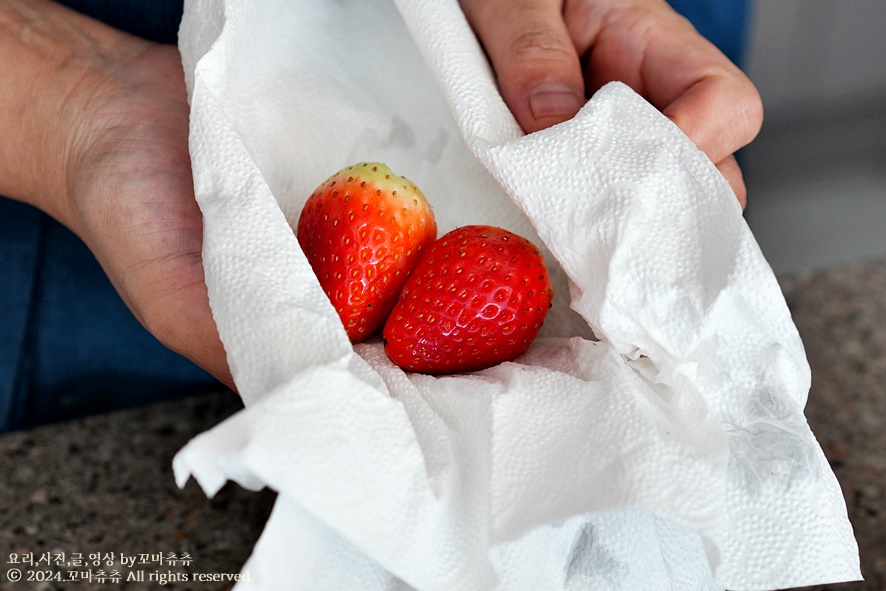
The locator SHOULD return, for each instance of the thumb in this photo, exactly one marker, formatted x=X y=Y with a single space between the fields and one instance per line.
x=537 y=66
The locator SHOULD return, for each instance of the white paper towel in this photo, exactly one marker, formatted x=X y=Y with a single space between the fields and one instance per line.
x=672 y=453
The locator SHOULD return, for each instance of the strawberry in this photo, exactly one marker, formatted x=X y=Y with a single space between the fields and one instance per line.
x=363 y=231
x=478 y=297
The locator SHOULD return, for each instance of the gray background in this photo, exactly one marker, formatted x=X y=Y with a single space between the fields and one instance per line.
x=816 y=174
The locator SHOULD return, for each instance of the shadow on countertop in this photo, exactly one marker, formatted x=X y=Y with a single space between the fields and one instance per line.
x=105 y=484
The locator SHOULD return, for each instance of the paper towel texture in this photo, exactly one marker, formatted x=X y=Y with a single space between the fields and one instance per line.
x=653 y=438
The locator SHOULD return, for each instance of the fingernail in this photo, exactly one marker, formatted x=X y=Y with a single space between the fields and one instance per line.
x=554 y=101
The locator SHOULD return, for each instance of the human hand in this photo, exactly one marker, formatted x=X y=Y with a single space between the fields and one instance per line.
x=104 y=149
x=549 y=55
x=133 y=203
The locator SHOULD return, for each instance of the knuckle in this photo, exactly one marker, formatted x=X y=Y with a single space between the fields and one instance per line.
x=754 y=110
x=538 y=43
x=751 y=113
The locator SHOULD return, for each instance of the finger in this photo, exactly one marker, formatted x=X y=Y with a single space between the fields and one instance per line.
x=698 y=88
x=729 y=168
x=720 y=114
x=536 y=65
x=660 y=55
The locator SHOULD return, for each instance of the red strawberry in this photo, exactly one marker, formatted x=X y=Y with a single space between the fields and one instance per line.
x=363 y=231
x=477 y=298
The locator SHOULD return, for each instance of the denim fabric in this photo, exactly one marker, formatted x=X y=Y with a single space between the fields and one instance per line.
x=19 y=251
x=723 y=22
x=156 y=20
x=70 y=347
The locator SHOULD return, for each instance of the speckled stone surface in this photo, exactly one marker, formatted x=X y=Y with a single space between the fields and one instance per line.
x=841 y=316
x=105 y=484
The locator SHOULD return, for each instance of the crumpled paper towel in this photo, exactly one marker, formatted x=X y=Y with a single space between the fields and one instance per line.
x=652 y=438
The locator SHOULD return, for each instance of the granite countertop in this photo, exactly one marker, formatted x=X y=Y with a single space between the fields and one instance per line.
x=105 y=484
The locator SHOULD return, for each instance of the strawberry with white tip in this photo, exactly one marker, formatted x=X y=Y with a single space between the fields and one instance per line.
x=363 y=231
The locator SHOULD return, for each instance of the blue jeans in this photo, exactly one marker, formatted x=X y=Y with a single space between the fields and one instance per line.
x=724 y=22
x=68 y=345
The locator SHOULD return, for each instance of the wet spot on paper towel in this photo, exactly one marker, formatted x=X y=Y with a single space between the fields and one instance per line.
x=589 y=561
x=401 y=134
x=769 y=454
